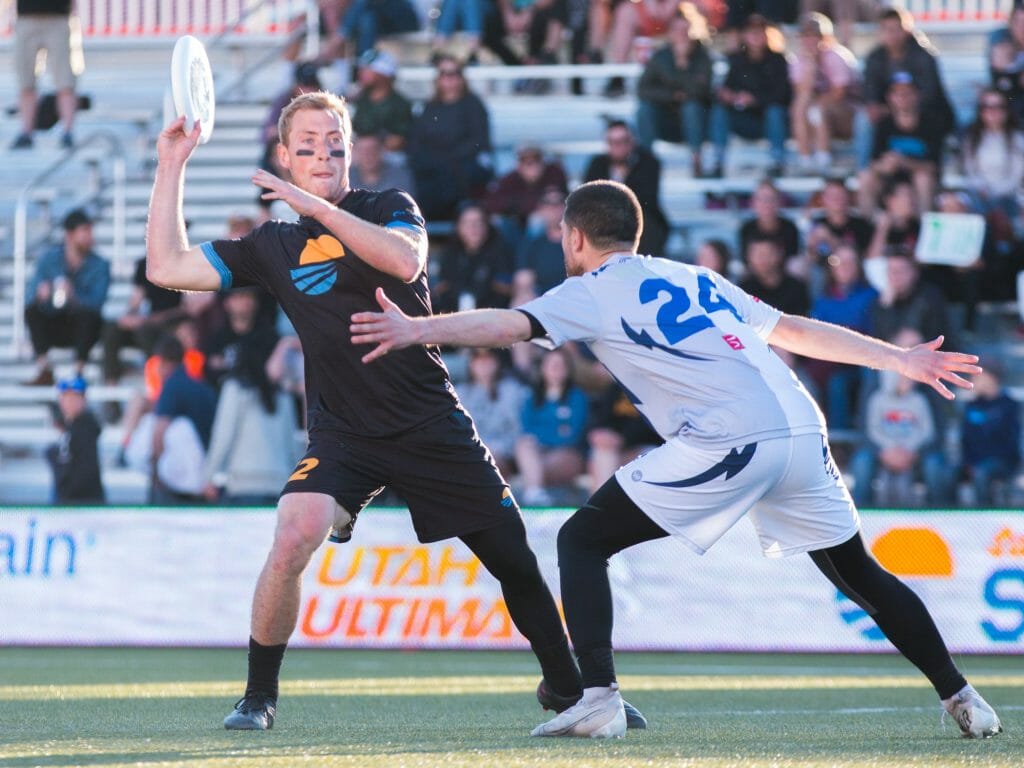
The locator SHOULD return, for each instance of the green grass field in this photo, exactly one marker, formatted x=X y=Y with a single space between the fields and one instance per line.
x=120 y=707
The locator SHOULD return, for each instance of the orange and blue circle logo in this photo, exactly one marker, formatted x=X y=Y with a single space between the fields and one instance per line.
x=318 y=271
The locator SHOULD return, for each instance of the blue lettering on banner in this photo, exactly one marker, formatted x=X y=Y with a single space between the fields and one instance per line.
x=34 y=552
x=996 y=598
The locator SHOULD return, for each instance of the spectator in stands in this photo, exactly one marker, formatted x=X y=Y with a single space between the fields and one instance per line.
x=378 y=107
x=173 y=447
x=476 y=266
x=150 y=313
x=846 y=300
x=843 y=13
x=50 y=26
x=768 y=222
x=837 y=224
x=898 y=224
x=74 y=459
x=989 y=436
x=674 y=92
x=497 y=15
x=1006 y=61
x=367 y=20
x=901 y=432
x=616 y=434
x=767 y=279
x=906 y=141
x=306 y=80
x=512 y=198
x=374 y=168
x=754 y=100
x=900 y=49
x=64 y=301
x=715 y=255
x=632 y=20
x=825 y=93
x=992 y=153
x=241 y=349
x=495 y=401
x=450 y=144
x=465 y=15
x=640 y=170
x=907 y=302
x=540 y=265
x=549 y=452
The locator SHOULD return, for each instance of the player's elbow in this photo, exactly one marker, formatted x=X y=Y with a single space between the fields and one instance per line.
x=411 y=268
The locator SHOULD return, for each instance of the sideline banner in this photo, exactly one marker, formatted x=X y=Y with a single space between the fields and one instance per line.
x=185 y=577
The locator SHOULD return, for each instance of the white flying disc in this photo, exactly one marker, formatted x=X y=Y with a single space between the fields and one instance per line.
x=192 y=85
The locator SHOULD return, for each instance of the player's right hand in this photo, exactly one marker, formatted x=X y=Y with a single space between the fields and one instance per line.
x=174 y=145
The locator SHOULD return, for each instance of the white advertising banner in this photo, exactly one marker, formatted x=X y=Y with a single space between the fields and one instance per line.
x=185 y=577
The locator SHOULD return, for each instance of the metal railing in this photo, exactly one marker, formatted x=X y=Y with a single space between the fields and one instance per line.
x=21 y=244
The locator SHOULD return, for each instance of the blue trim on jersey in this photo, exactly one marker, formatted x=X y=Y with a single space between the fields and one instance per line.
x=644 y=339
x=226 y=278
x=404 y=225
x=731 y=465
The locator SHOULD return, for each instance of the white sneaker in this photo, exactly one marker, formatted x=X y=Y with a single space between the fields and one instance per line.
x=599 y=715
x=977 y=720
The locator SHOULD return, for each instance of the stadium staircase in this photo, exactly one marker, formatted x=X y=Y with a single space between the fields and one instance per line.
x=126 y=84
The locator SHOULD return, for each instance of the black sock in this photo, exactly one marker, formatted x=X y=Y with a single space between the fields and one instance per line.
x=598 y=668
x=264 y=668
x=947 y=680
x=559 y=669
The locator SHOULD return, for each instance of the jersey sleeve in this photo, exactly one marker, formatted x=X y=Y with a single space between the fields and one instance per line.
x=395 y=209
x=568 y=312
x=754 y=312
x=238 y=261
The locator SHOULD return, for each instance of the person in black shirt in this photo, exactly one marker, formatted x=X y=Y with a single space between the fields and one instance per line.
x=397 y=423
x=74 y=459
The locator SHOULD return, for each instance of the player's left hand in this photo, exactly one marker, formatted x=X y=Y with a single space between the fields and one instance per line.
x=299 y=200
x=926 y=364
x=390 y=329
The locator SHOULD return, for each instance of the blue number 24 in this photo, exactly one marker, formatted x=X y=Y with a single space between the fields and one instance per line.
x=678 y=304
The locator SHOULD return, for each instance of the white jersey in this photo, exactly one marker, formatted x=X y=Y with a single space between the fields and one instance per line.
x=687 y=346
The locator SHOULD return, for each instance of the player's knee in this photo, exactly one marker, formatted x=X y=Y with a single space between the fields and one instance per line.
x=294 y=543
x=574 y=541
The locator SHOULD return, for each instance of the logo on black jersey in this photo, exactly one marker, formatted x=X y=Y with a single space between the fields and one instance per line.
x=317 y=271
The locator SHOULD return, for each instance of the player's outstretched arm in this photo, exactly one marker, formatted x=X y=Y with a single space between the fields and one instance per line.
x=169 y=260
x=393 y=329
x=924 y=362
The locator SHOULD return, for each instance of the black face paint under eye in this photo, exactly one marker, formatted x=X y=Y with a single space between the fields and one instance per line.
x=304 y=152
x=337 y=153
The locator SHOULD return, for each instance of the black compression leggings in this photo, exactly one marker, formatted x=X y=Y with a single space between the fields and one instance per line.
x=610 y=522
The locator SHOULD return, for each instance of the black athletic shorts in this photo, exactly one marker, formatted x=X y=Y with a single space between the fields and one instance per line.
x=442 y=471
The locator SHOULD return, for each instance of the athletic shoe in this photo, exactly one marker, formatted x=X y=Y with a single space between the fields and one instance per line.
x=977 y=720
x=253 y=712
x=557 y=703
x=341 y=534
x=598 y=715
x=22 y=141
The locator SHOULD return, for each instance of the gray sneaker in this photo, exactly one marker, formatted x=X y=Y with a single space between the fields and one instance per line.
x=253 y=712
x=977 y=720
x=598 y=715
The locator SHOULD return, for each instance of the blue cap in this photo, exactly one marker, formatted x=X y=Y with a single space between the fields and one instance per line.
x=901 y=77
x=72 y=384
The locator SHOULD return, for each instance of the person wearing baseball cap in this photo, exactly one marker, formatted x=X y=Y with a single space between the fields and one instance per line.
x=74 y=458
x=378 y=108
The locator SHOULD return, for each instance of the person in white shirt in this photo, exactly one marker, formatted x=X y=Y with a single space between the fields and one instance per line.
x=742 y=435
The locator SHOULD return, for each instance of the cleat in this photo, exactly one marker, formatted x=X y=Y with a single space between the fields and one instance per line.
x=253 y=712
x=597 y=715
x=557 y=703
x=977 y=720
x=341 y=534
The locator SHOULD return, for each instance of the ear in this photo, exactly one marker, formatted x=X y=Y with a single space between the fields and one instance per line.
x=577 y=239
x=283 y=158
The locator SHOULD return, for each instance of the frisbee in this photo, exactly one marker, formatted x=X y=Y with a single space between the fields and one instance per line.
x=192 y=85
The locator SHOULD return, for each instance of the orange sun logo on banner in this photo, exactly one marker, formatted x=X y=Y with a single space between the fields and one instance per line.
x=914 y=552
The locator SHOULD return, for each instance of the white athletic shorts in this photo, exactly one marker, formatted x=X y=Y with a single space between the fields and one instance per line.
x=790 y=487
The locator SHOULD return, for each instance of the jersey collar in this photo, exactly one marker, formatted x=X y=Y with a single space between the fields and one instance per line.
x=617 y=258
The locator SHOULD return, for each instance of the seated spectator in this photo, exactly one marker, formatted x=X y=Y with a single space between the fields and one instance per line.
x=540 y=263
x=464 y=15
x=898 y=224
x=549 y=452
x=514 y=197
x=241 y=349
x=907 y=142
x=768 y=222
x=373 y=168
x=767 y=279
x=847 y=300
x=476 y=266
x=992 y=154
x=617 y=434
x=639 y=170
x=306 y=80
x=495 y=401
x=989 y=436
x=450 y=144
x=367 y=20
x=754 y=100
x=715 y=255
x=908 y=302
x=150 y=313
x=843 y=13
x=825 y=93
x=378 y=108
x=542 y=22
x=497 y=15
x=674 y=91
x=901 y=442
x=837 y=224
x=901 y=48
x=630 y=20
x=64 y=299
x=74 y=459
x=1006 y=61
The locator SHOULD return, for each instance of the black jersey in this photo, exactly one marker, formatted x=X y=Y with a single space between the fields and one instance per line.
x=320 y=282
